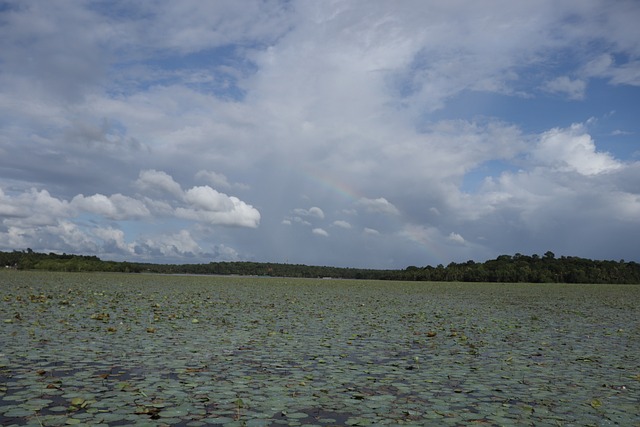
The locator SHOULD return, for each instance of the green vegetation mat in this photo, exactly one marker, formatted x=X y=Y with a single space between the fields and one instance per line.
x=117 y=349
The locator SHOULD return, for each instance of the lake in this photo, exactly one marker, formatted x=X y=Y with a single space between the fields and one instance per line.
x=154 y=350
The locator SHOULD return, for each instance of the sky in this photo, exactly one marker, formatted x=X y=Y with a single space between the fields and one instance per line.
x=369 y=134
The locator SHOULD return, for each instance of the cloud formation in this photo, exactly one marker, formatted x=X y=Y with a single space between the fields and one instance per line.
x=574 y=89
x=411 y=134
x=36 y=218
x=379 y=205
x=573 y=150
x=320 y=232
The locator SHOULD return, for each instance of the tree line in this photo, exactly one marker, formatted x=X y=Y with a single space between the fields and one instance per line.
x=506 y=268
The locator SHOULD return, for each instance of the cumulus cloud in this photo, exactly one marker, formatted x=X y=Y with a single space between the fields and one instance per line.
x=314 y=212
x=217 y=179
x=175 y=244
x=456 y=238
x=299 y=220
x=34 y=217
x=150 y=180
x=202 y=203
x=116 y=206
x=32 y=208
x=550 y=201
x=234 y=213
x=114 y=240
x=68 y=234
x=573 y=149
x=207 y=205
x=225 y=253
x=320 y=232
x=304 y=216
x=206 y=198
x=379 y=205
x=342 y=224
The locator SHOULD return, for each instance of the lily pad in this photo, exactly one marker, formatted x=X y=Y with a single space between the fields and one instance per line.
x=271 y=351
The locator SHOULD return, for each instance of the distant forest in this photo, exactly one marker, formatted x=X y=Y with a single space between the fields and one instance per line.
x=506 y=268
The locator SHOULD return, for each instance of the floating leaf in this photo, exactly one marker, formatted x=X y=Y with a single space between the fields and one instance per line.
x=277 y=352
x=77 y=401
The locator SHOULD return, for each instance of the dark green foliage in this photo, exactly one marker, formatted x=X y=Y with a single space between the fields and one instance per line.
x=536 y=269
x=29 y=260
x=505 y=268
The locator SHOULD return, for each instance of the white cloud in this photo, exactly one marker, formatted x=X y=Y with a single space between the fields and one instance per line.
x=203 y=203
x=618 y=132
x=116 y=206
x=605 y=66
x=35 y=218
x=151 y=179
x=15 y=237
x=190 y=27
x=370 y=231
x=300 y=214
x=175 y=244
x=208 y=205
x=219 y=180
x=32 y=208
x=379 y=205
x=456 y=238
x=320 y=232
x=216 y=179
x=116 y=238
x=70 y=235
x=207 y=198
x=573 y=149
x=341 y=224
x=225 y=253
x=235 y=212
x=298 y=220
x=574 y=89
x=314 y=212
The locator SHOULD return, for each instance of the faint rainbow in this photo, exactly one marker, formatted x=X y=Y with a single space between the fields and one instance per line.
x=334 y=185
x=432 y=249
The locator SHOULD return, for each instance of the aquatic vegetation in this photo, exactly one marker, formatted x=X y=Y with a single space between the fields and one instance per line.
x=117 y=349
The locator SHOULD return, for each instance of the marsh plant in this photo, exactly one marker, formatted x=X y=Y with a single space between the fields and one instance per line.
x=118 y=349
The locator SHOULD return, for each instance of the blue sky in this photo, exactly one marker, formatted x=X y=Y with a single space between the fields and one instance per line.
x=350 y=133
